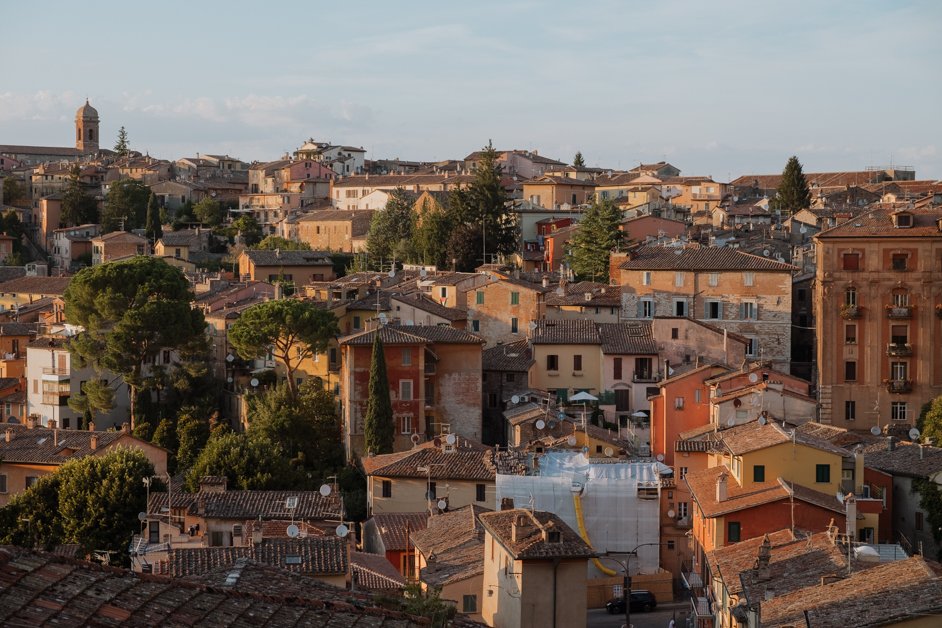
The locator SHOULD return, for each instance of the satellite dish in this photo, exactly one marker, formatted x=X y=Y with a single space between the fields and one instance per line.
x=422 y=272
x=753 y=378
x=392 y=272
x=840 y=496
x=342 y=531
x=572 y=441
x=442 y=504
x=562 y=415
x=142 y=516
x=762 y=420
x=293 y=531
x=875 y=430
x=540 y=424
x=254 y=382
x=671 y=513
x=451 y=439
x=415 y=439
x=229 y=379
x=437 y=442
x=551 y=424
x=585 y=449
x=609 y=451
x=914 y=434
x=230 y=358
x=515 y=399
x=660 y=457
x=803 y=229
x=325 y=490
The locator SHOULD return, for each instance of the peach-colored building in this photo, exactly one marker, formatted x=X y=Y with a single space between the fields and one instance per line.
x=117 y=245
x=297 y=267
x=552 y=192
x=335 y=230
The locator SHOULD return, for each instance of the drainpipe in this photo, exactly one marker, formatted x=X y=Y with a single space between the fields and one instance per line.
x=556 y=562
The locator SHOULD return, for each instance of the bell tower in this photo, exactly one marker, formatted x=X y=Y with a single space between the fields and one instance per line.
x=86 y=129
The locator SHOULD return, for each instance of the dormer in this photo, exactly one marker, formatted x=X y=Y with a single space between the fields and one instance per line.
x=902 y=219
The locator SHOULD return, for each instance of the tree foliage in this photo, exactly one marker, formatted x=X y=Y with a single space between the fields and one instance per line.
x=428 y=603
x=95 y=397
x=248 y=229
x=14 y=193
x=930 y=421
x=193 y=431
x=249 y=462
x=793 y=193
x=153 y=229
x=130 y=311
x=930 y=501
x=272 y=242
x=78 y=206
x=378 y=427
x=597 y=236
x=391 y=227
x=125 y=206
x=121 y=145
x=578 y=160
x=431 y=237
x=294 y=329
x=209 y=212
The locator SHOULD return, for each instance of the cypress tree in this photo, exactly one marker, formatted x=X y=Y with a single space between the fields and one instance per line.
x=152 y=223
x=578 y=161
x=378 y=428
x=793 y=193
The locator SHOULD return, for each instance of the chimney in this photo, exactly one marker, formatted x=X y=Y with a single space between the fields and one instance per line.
x=91 y=426
x=922 y=451
x=722 y=487
x=257 y=533
x=545 y=281
x=93 y=442
x=31 y=421
x=9 y=434
x=507 y=503
x=51 y=424
x=126 y=427
x=520 y=527
x=890 y=443
x=762 y=562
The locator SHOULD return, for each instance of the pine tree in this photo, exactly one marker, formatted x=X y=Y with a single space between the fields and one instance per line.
x=597 y=236
x=378 y=428
x=578 y=161
x=78 y=206
x=153 y=230
x=121 y=146
x=793 y=193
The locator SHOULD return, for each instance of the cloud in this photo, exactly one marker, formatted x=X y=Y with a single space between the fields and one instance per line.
x=40 y=105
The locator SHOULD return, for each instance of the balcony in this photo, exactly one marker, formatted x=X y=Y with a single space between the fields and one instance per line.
x=645 y=376
x=55 y=375
x=851 y=312
x=899 y=385
x=899 y=311
x=899 y=349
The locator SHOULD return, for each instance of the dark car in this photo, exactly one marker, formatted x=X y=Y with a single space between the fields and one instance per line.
x=641 y=601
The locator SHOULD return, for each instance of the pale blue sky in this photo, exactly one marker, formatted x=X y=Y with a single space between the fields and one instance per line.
x=720 y=87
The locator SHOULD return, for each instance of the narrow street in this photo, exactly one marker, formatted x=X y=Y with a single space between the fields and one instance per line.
x=599 y=618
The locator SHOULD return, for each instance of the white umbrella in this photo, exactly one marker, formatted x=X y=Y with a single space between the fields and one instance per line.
x=583 y=396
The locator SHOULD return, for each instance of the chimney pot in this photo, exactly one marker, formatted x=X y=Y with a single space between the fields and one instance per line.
x=91 y=426
x=507 y=503
x=126 y=427
x=93 y=442
x=890 y=443
x=722 y=487
x=9 y=434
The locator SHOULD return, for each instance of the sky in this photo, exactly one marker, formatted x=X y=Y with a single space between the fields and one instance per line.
x=720 y=88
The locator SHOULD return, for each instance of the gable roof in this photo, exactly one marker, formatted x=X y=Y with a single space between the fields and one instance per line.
x=906 y=459
x=753 y=436
x=325 y=555
x=374 y=572
x=413 y=334
x=468 y=461
x=269 y=257
x=512 y=356
x=565 y=331
x=35 y=285
x=705 y=259
x=421 y=301
x=627 y=338
x=878 y=223
x=243 y=505
x=529 y=543
x=42 y=445
x=394 y=528
x=453 y=546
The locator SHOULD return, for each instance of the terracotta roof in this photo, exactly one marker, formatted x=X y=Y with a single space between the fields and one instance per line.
x=17 y=149
x=599 y=295
x=313 y=555
x=359 y=219
x=468 y=461
x=705 y=259
x=413 y=334
x=35 y=285
x=265 y=257
x=374 y=572
x=39 y=445
x=565 y=331
x=453 y=546
x=753 y=436
x=879 y=224
x=529 y=543
x=423 y=302
x=511 y=356
x=904 y=460
x=40 y=588
x=394 y=528
x=16 y=329
x=547 y=179
x=703 y=489
x=885 y=594
x=452 y=279
x=120 y=236
x=243 y=505
x=627 y=338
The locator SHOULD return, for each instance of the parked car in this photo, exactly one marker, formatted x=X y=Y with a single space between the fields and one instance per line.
x=641 y=601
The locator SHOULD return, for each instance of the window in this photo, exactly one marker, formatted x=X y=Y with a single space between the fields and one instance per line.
x=713 y=280
x=679 y=403
x=31 y=480
x=432 y=491
x=356 y=322
x=675 y=333
x=405 y=390
x=899 y=371
x=480 y=492
x=469 y=604
x=443 y=293
x=850 y=410
x=491 y=400
x=646 y=278
x=850 y=297
x=752 y=349
x=475 y=325
x=899 y=334
x=577 y=362
x=387 y=488
x=479 y=298
x=696 y=395
x=899 y=411
x=617 y=364
x=515 y=298
x=646 y=308
x=713 y=310
x=850 y=261
x=733 y=531
x=680 y=307
x=749 y=311
x=904 y=220
x=901 y=299
x=679 y=279
x=850 y=333
x=514 y=325
x=552 y=363
x=510 y=377
x=850 y=371
x=3 y=483
x=758 y=473
x=748 y=278
x=682 y=510
x=406 y=424
x=822 y=473
x=153 y=532
x=670 y=545
x=407 y=357
x=643 y=368
x=918 y=520
x=801 y=295
x=899 y=261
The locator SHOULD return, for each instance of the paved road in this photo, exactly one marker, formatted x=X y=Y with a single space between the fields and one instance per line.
x=599 y=618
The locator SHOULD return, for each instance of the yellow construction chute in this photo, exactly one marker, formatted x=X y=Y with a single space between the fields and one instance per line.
x=580 y=519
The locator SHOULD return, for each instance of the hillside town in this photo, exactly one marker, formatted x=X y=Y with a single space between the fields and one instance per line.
x=500 y=389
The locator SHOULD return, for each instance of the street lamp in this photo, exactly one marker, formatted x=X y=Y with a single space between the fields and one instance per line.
x=626 y=581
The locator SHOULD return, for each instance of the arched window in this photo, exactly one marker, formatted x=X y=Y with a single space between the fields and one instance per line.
x=91 y=134
x=78 y=134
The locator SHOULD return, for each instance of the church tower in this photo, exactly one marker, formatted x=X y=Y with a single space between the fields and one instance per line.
x=86 y=129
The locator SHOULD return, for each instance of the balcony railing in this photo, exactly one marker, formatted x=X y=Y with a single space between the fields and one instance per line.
x=899 y=311
x=851 y=312
x=54 y=371
x=899 y=349
x=644 y=376
x=899 y=385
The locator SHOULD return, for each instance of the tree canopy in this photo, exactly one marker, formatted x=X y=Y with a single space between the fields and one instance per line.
x=930 y=421
x=14 y=193
x=793 y=193
x=247 y=228
x=154 y=230
x=78 y=206
x=130 y=311
x=379 y=427
x=483 y=205
x=121 y=145
x=594 y=240
x=578 y=161
x=294 y=329
x=272 y=242
x=125 y=206
x=391 y=227
x=209 y=212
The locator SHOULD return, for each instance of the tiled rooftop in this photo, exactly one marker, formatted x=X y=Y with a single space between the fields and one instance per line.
x=703 y=259
x=414 y=334
x=264 y=257
x=468 y=461
x=243 y=505
x=565 y=331
x=529 y=543
x=511 y=356
x=453 y=546
x=374 y=572
x=394 y=528
x=313 y=555
x=879 y=223
x=41 y=445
